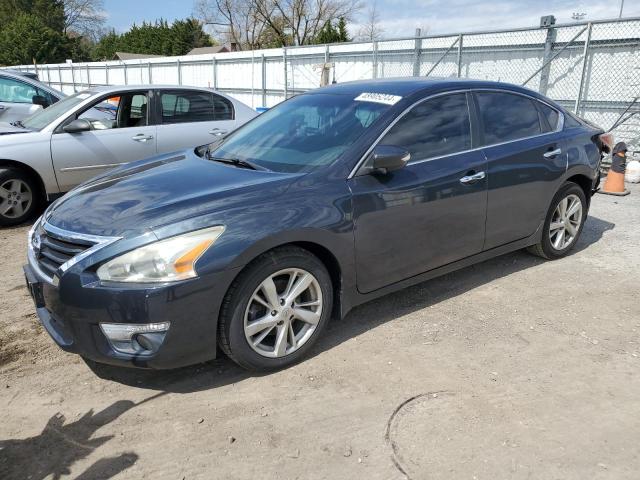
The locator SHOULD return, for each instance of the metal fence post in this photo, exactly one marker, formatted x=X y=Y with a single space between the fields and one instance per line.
x=126 y=75
x=214 y=67
x=459 y=72
x=73 y=78
x=59 y=77
x=286 y=81
x=417 y=48
x=374 y=67
x=179 y=71
x=106 y=73
x=48 y=76
x=264 y=81
x=585 y=52
x=149 y=73
x=546 y=69
x=88 y=77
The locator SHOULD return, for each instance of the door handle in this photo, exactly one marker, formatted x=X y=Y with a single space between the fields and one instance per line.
x=218 y=132
x=473 y=178
x=552 y=153
x=141 y=137
x=2 y=107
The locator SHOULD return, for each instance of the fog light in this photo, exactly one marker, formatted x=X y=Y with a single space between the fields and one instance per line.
x=124 y=337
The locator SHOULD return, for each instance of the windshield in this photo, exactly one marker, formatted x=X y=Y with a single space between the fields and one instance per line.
x=302 y=134
x=44 y=117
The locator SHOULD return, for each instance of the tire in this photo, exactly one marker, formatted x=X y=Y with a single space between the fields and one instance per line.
x=557 y=241
x=15 y=186
x=287 y=337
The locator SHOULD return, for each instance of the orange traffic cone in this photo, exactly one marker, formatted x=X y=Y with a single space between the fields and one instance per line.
x=614 y=183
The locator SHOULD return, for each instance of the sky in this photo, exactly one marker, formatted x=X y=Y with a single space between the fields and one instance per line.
x=400 y=18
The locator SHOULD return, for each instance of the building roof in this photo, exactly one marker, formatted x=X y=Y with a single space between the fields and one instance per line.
x=133 y=56
x=214 y=49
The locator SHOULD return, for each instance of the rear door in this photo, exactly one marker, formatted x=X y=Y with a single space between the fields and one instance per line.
x=430 y=212
x=525 y=154
x=16 y=99
x=189 y=118
x=120 y=133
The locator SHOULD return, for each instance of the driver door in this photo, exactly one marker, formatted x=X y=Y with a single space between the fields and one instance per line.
x=121 y=133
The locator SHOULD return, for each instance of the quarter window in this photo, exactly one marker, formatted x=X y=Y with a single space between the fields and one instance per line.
x=507 y=117
x=13 y=91
x=551 y=116
x=434 y=128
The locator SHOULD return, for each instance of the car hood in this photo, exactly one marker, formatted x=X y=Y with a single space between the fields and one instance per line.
x=149 y=194
x=7 y=129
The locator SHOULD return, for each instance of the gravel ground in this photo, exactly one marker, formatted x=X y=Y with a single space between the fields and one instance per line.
x=514 y=368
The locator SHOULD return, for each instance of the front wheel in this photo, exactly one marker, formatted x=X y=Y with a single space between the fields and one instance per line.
x=18 y=197
x=276 y=309
x=563 y=224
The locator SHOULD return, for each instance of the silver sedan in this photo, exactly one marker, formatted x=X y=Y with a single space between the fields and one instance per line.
x=92 y=131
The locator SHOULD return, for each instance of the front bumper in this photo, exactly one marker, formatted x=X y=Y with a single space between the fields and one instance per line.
x=71 y=312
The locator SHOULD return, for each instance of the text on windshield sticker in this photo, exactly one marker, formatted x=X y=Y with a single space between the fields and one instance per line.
x=378 y=98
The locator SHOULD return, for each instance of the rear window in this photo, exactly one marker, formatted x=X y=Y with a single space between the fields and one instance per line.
x=507 y=117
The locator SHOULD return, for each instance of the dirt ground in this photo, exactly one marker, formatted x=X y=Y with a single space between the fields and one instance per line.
x=514 y=368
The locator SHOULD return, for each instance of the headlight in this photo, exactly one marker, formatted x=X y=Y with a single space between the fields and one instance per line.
x=164 y=261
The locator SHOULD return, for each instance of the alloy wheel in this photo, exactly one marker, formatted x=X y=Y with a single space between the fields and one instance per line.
x=565 y=222
x=15 y=198
x=283 y=312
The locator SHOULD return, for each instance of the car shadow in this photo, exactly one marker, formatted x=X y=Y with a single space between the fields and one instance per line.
x=61 y=444
x=223 y=371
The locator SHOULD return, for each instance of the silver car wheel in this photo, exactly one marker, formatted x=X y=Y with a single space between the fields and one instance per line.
x=565 y=222
x=283 y=312
x=15 y=198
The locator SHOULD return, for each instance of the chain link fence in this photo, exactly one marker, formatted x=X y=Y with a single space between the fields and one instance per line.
x=589 y=68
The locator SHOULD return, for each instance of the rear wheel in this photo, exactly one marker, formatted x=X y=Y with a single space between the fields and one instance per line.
x=18 y=197
x=276 y=309
x=563 y=224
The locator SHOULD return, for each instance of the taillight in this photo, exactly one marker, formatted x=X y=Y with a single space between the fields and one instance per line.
x=605 y=142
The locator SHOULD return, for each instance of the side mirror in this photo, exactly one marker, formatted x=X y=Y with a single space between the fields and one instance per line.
x=386 y=158
x=77 y=126
x=40 y=100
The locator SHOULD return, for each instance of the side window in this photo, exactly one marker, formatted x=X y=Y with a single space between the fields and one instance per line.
x=571 y=122
x=118 y=111
x=14 y=91
x=551 y=116
x=507 y=117
x=222 y=108
x=436 y=127
x=184 y=106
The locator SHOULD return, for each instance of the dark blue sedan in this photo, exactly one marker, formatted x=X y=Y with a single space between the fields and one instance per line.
x=326 y=201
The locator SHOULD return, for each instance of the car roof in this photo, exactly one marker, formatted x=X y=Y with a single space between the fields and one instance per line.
x=120 y=88
x=406 y=86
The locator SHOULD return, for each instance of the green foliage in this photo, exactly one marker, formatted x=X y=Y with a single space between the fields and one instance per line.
x=27 y=37
x=50 y=12
x=154 y=39
x=330 y=33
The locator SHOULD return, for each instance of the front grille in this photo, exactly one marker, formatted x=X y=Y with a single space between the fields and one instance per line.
x=54 y=251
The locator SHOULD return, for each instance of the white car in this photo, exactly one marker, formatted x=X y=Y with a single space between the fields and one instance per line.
x=21 y=95
x=85 y=134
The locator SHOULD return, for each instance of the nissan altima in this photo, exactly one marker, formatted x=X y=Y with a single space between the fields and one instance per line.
x=251 y=244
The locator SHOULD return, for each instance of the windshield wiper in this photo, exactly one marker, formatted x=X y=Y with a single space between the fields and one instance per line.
x=18 y=123
x=238 y=162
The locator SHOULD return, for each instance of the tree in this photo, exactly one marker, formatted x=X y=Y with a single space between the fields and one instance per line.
x=284 y=22
x=343 y=35
x=371 y=30
x=49 y=12
x=37 y=42
x=235 y=21
x=156 y=39
x=86 y=17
